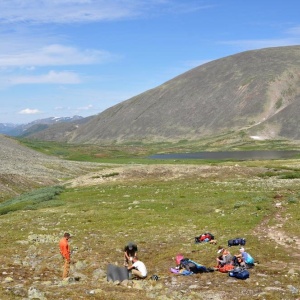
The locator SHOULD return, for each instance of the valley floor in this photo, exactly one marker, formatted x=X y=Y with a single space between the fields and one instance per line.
x=162 y=207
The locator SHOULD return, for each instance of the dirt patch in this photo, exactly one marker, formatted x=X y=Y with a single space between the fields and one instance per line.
x=277 y=234
x=163 y=173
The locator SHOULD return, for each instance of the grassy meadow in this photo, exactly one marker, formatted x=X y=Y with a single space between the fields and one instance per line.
x=138 y=152
x=162 y=214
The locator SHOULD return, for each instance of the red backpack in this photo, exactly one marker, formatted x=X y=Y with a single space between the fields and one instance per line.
x=226 y=268
x=205 y=237
x=178 y=258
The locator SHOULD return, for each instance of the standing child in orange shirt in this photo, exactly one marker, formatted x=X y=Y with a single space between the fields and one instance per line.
x=65 y=253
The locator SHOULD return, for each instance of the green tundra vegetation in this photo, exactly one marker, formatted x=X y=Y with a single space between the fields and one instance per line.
x=162 y=206
x=138 y=152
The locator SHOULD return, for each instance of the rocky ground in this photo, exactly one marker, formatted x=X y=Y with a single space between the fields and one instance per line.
x=22 y=169
x=30 y=274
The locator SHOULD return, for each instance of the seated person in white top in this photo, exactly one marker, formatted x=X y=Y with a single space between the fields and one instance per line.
x=138 y=268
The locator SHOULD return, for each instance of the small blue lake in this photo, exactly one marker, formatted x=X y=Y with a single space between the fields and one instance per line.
x=232 y=155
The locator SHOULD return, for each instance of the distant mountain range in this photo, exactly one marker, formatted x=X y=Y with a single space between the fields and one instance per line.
x=35 y=126
x=253 y=94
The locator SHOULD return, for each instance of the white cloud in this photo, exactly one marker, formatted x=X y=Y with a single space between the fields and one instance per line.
x=88 y=107
x=51 y=78
x=29 y=111
x=63 y=11
x=72 y=11
x=54 y=55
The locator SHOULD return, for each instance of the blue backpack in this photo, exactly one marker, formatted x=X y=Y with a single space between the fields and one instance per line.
x=250 y=260
x=236 y=242
x=239 y=273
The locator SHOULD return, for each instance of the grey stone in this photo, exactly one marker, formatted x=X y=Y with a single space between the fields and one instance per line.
x=99 y=273
x=193 y=286
x=34 y=293
x=80 y=265
x=292 y=289
x=8 y=280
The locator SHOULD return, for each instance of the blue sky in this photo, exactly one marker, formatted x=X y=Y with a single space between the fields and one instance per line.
x=62 y=58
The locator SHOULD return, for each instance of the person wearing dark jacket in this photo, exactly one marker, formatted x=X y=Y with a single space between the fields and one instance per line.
x=130 y=251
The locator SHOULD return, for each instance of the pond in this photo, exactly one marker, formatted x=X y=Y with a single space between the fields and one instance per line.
x=232 y=155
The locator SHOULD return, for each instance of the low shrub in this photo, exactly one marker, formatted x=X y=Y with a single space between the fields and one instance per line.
x=30 y=200
x=240 y=204
x=110 y=174
x=292 y=200
x=293 y=175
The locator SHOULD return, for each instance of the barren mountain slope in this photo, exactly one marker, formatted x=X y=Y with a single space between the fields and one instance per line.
x=22 y=169
x=234 y=93
x=283 y=123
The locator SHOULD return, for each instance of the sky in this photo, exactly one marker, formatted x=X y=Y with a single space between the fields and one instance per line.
x=60 y=58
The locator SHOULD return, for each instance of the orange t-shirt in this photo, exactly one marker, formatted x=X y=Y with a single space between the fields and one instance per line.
x=64 y=248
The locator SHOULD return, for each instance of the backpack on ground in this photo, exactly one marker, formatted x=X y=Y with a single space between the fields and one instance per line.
x=236 y=242
x=239 y=273
x=178 y=258
x=226 y=268
x=205 y=237
x=154 y=277
x=250 y=260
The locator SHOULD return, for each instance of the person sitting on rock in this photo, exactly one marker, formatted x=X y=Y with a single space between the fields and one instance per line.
x=138 y=268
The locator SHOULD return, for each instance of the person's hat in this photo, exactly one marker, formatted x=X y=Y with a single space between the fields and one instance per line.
x=242 y=249
x=130 y=245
